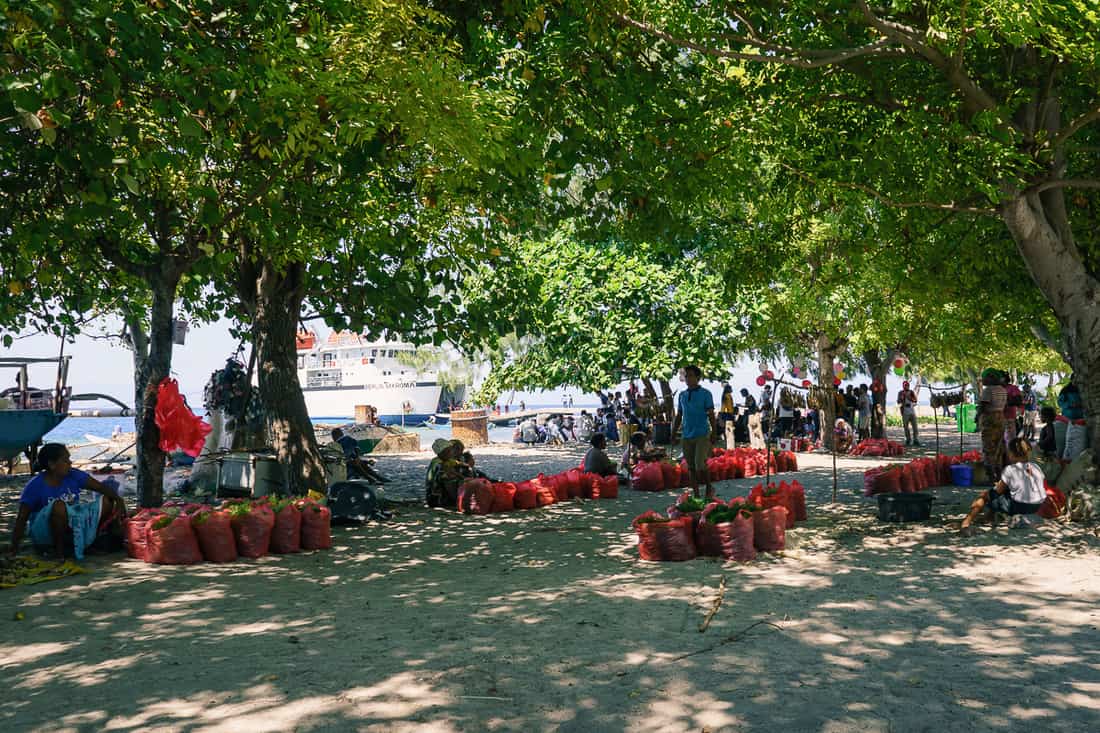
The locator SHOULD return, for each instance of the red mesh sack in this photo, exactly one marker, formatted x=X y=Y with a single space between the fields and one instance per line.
x=798 y=501
x=171 y=541
x=544 y=491
x=788 y=502
x=504 y=497
x=214 y=531
x=908 y=482
x=685 y=475
x=561 y=487
x=770 y=496
x=178 y=426
x=869 y=477
x=664 y=539
x=316 y=526
x=729 y=540
x=748 y=466
x=931 y=473
x=575 y=482
x=781 y=462
x=647 y=476
x=586 y=484
x=769 y=529
x=286 y=534
x=888 y=482
x=475 y=496
x=1054 y=504
x=605 y=487
x=944 y=478
x=136 y=532
x=670 y=473
x=737 y=467
x=526 y=495
x=252 y=529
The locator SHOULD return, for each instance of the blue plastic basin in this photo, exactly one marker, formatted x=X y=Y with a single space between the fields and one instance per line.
x=962 y=474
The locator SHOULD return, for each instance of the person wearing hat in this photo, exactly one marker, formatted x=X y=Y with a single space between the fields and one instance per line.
x=907 y=400
x=446 y=472
x=991 y=421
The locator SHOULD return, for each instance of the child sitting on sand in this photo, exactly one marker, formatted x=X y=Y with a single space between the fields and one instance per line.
x=1019 y=492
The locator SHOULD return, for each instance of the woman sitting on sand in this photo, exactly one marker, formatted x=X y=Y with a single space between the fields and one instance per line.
x=446 y=473
x=50 y=504
x=596 y=460
x=1019 y=492
x=843 y=435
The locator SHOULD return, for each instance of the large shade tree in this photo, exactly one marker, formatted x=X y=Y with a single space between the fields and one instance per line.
x=178 y=144
x=988 y=109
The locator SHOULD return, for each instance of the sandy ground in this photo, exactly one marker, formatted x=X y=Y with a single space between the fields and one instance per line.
x=546 y=620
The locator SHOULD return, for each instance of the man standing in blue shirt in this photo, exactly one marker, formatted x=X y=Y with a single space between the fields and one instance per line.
x=695 y=413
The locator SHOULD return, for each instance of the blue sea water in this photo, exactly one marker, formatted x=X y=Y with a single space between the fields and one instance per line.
x=72 y=431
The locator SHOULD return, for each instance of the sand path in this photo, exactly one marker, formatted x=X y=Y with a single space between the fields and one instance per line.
x=546 y=620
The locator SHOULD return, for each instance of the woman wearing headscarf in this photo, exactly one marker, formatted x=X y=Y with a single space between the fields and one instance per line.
x=991 y=420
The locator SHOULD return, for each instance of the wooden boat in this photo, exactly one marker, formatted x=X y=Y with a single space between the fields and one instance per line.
x=26 y=413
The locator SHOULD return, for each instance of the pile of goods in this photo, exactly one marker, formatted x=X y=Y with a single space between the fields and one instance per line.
x=917 y=475
x=733 y=530
x=723 y=465
x=791 y=398
x=947 y=400
x=878 y=447
x=186 y=534
x=481 y=496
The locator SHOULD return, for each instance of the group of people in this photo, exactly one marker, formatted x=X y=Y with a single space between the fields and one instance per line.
x=695 y=420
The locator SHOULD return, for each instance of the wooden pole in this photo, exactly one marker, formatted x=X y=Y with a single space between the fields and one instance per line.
x=936 y=419
x=833 y=451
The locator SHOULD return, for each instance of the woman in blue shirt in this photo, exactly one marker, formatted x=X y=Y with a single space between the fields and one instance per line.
x=50 y=504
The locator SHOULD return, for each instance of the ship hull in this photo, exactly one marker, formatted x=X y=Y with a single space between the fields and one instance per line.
x=340 y=402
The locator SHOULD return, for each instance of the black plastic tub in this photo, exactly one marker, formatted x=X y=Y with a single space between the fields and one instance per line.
x=905 y=507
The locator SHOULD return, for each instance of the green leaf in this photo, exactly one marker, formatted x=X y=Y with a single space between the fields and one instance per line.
x=189 y=127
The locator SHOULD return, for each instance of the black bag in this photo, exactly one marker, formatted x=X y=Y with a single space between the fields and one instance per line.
x=356 y=501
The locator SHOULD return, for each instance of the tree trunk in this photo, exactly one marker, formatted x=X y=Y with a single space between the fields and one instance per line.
x=1039 y=226
x=879 y=367
x=666 y=399
x=277 y=305
x=826 y=354
x=152 y=362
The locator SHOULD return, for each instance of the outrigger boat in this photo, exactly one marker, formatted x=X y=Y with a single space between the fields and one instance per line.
x=26 y=413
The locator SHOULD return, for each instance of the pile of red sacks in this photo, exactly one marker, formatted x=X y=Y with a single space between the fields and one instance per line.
x=923 y=473
x=481 y=496
x=878 y=447
x=723 y=465
x=917 y=475
x=733 y=530
x=185 y=534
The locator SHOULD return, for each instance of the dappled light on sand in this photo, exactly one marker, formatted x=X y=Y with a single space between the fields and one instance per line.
x=546 y=620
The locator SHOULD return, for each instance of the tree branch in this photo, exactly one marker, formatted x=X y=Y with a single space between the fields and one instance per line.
x=891 y=202
x=1071 y=129
x=1064 y=183
x=792 y=57
x=975 y=99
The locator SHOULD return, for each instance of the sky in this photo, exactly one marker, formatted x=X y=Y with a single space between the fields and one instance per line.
x=106 y=367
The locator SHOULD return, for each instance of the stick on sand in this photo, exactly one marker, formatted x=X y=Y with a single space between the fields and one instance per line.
x=714 y=606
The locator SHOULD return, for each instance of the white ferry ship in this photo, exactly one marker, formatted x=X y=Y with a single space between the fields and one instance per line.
x=346 y=370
